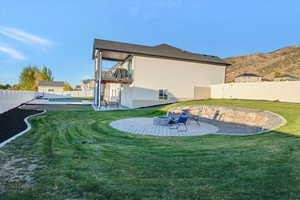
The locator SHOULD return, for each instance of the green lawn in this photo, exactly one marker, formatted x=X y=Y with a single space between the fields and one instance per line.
x=87 y=159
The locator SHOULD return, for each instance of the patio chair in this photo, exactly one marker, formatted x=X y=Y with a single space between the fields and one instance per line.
x=195 y=118
x=180 y=122
x=172 y=115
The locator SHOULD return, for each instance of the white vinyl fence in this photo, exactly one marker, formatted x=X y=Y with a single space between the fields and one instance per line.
x=84 y=93
x=12 y=98
x=285 y=91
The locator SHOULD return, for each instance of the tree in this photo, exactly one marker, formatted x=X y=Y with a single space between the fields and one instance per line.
x=67 y=87
x=4 y=87
x=277 y=74
x=15 y=87
x=46 y=74
x=30 y=76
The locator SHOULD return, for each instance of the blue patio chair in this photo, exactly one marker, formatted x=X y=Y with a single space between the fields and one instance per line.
x=180 y=122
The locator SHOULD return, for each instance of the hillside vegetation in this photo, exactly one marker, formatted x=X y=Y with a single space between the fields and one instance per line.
x=285 y=61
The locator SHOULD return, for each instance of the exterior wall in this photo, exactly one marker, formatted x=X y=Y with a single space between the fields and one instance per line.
x=247 y=79
x=286 y=91
x=112 y=92
x=179 y=78
x=202 y=92
x=48 y=88
x=87 y=84
x=134 y=97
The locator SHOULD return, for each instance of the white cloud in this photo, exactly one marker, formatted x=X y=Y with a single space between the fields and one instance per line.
x=13 y=53
x=24 y=37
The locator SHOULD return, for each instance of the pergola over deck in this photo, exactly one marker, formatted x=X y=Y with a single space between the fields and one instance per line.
x=119 y=51
x=100 y=53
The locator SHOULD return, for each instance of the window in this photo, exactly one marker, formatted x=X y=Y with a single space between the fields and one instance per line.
x=51 y=90
x=163 y=94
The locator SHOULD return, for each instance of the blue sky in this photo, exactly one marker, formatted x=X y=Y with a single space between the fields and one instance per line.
x=60 y=33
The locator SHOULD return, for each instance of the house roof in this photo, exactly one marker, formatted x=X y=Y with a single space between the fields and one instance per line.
x=87 y=81
x=162 y=50
x=248 y=74
x=51 y=83
x=288 y=76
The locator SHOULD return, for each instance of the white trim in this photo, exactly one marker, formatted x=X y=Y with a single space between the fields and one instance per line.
x=21 y=133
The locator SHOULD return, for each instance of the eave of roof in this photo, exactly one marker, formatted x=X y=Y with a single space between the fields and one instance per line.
x=288 y=76
x=248 y=74
x=162 y=50
x=51 y=83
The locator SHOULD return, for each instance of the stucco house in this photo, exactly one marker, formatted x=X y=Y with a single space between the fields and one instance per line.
x=151 y=75
x=87 y=84
x=248 y=77
x=51 y=86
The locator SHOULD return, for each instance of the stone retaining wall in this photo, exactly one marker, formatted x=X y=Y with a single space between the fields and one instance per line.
x=251 y=117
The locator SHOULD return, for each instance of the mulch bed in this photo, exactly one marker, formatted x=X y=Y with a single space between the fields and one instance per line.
x=12 y=122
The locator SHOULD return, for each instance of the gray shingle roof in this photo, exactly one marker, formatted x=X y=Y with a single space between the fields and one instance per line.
x=163 y=50
x=51 y=83
x=288 y=76
x=248 y=74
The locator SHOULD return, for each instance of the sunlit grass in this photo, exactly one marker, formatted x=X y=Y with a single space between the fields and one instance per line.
x=87 y=159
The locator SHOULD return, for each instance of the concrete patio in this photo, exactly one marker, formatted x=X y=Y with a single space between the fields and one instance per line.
x=145 y=126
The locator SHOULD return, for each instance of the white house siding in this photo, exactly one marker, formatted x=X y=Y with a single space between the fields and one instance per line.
x=178 y=77
x=49 y=89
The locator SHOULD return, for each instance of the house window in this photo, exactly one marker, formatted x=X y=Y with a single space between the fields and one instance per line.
x=51 y=90
x=163 y=94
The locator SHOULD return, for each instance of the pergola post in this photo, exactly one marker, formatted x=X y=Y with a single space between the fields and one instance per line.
x=98 y=69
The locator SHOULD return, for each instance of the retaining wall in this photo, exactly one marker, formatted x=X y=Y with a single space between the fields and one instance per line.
x=237 y=115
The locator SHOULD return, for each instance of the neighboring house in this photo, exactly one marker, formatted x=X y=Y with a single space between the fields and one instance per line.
x=247 y=77
x=287 y=77
x=88 y=84
x=77 y=88
x=152 y=75
x=51 y=86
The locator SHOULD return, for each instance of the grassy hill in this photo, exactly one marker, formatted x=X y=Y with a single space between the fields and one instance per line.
x=285 y=61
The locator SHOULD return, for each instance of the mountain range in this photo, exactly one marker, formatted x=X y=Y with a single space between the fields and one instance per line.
x=282 y=61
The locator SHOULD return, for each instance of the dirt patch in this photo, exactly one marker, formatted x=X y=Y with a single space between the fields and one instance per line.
x=12 y=122
x=17 y=173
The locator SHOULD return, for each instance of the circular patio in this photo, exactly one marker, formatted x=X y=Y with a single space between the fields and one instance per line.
x=145 y=126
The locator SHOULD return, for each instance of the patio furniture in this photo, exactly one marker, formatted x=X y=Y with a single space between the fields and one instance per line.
x=180 y=122
x=197 y=119
x=172 y=115
x=161 y=121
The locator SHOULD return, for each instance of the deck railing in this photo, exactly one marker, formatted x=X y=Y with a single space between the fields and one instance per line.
x=108 y=76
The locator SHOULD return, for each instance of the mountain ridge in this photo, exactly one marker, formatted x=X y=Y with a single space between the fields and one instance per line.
x=285 y=60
